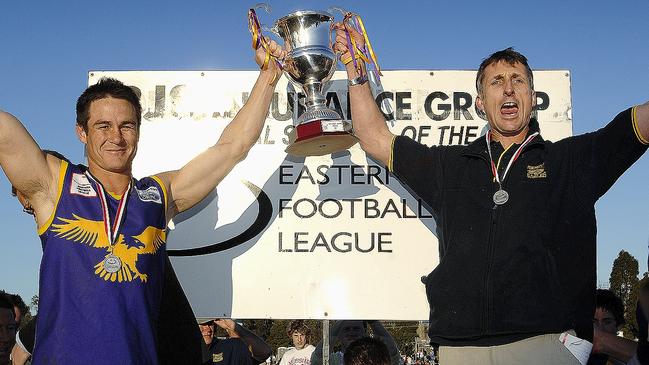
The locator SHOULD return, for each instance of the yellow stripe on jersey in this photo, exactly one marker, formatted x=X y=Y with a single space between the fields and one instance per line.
x=62 y=170
x=391 y=159
x=636 y=129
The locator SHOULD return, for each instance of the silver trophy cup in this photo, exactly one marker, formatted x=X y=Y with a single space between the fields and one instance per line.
x=309 y=65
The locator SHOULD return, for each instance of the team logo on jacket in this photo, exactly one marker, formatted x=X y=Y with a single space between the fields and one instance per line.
x=81 y=186
x=152 y=194
x=217 y=357
x=92 y=233
x=536 y=172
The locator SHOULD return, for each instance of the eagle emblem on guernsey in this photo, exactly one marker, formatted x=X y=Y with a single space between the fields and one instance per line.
x=92 y=233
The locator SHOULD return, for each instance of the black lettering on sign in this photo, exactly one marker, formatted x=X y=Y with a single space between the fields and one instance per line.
x=340 y=242
x=471 y=134
x=444 y=108
x=386 y=95
x=542 y=103
x=461 y=103
x=330 y=208
x=442 y=131
x=332 y=97
x=410 y=132
x=301 y=108
x=423 y=132
x=403 y=106
x=457 y=134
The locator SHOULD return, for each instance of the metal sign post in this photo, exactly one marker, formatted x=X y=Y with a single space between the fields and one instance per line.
x=325 y=342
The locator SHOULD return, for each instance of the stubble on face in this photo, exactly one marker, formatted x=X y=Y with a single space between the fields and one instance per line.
x=112 y=135
x=507 y=99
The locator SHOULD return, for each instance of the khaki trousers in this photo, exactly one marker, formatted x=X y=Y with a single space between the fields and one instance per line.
x=537 y=350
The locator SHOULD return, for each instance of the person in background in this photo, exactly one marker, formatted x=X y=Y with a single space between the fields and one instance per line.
x=349 y=331
x=7 y=328
x=299 y=333
x=367 y=351
x=241 y=347
x=21 y=353
x=608 y=347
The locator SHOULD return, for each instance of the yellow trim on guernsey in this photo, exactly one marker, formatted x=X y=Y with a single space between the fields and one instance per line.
x=164 y=189
x=62 y=170
x=391 y=159
x=636 y=129
x=116 y=196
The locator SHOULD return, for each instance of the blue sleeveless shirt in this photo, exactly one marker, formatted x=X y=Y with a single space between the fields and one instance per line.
x=88 y=315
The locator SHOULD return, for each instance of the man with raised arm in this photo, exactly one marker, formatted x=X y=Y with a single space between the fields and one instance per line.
x=103 y=232
x=515 y=217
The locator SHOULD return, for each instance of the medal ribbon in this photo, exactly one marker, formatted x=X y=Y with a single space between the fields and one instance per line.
x=357 y=23
x=258 y=39
x=494 y=170
x=111 y=231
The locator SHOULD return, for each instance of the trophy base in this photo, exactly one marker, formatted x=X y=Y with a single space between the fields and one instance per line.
x=318 y=138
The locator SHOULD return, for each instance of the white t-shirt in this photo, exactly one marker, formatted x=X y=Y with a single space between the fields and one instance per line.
x=298 y=357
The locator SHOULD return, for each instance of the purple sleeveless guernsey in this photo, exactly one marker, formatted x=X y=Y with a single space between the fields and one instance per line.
x=99 y=302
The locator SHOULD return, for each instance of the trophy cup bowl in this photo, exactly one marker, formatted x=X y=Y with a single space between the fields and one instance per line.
x=309 y=65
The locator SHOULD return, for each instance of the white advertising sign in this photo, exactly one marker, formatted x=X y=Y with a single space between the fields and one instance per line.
x=330 y=237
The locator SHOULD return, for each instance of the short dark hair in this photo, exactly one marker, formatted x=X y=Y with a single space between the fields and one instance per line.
x=607 y=300
x=367 y=351
x=106 y=87
x=508 y=55
x=5 y=302
x=19 y=303
x=299 y=326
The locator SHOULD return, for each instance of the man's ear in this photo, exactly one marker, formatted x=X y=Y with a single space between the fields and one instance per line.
x=533 y=99
x=81 y=134
x=478 y=103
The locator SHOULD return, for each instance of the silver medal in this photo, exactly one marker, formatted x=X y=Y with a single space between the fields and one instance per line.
x=112 y=263
x=501 y=197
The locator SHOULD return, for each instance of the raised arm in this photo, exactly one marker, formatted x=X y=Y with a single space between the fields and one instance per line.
x=368 y=121
x=201 y=175
x=29 y=170
x=610 y=344
x=258 y=348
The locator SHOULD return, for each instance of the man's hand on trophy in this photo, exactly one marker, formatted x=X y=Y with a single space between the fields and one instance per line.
x=268 y=55
x=346 y=37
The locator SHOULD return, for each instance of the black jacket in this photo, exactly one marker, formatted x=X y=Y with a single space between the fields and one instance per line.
x=526 y=267
x=179 y=339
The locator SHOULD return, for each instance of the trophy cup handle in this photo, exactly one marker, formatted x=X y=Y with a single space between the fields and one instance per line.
x=264 y=6
x=332 y=10
x=263 y=27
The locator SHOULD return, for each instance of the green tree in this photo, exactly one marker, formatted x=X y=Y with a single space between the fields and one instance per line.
x=277 y=337
x=624 y=283
x=33 y=306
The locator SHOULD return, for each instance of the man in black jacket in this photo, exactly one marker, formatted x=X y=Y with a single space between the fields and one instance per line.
x=241 y=347
x=515 y=217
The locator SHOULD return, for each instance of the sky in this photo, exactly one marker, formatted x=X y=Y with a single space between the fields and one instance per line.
x=47 y=49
